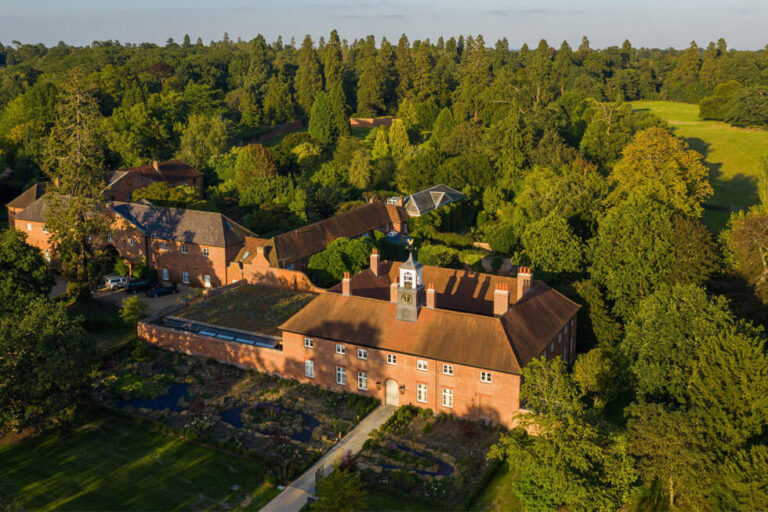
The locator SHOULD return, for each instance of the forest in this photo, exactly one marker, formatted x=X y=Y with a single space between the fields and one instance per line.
x=666 y=406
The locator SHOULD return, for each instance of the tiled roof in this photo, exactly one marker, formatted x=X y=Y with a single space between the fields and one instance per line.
x=461 y=329
x=181 y=225
x=427 y=200
x=35 y=212
x=27 y=197
x=172 y=170
x=311 y=239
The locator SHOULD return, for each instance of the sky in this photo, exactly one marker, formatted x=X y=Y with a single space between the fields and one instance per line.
x=646 y=23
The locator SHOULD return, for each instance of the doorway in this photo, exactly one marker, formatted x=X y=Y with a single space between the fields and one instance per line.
x=393 y=397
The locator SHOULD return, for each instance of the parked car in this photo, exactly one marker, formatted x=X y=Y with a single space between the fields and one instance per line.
x=115 y=282
x=137 y=286
x=162 y=290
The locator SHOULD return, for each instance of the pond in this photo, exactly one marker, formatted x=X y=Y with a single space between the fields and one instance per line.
x=169 y=401
x=234 y=417
x=443 y=468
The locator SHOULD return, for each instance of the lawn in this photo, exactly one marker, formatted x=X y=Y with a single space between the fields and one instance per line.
x=498 y=495
x=731 y=154
x=250 y=308
x=113 y=464
x=103 y=322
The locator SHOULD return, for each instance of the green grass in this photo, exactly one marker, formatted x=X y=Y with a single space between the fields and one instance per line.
x=498 y=494
x=380 y=499
x=114 y=464
x=250 y=308
x=103 y=322
x=275 y=141
x=731 y=154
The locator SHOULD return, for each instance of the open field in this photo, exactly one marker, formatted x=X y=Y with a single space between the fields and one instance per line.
x=113 y=464
x=250 y=308
x=731 y=154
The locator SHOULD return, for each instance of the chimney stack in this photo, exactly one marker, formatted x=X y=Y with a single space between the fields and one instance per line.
x=500 y=299
x=393 y=292
x=399 y=200
x=431 y=297
x=375 y=262
x=346 y=285
x=524 y=282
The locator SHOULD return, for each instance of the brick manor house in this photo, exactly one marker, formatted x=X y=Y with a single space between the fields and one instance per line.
x=450 y=340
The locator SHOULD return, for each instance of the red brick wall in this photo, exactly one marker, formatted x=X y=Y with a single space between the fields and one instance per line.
x=35 y=236
x=270 y=276
x=497 y=401
x=370 y=122
x=246 y=356
x=194 y=261
x=565 y=339
x=123 y=189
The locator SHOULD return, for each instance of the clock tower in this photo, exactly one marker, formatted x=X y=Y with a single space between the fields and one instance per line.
x=410 y=290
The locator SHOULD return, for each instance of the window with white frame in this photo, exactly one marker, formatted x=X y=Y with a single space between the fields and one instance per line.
x=29 y=226
x=447 y=397
x=421 y=393
x=185 y=277
x=485 y=377
x=565 y=352
x=309 y=369
x=309 y=343
x=207 y=280
x=341 y=375
x=362 y=353
x=165 y=274
x=45 y=228
x=559 y=338
x=341 y=349
x=421 y=365
x=48 y=255
x=362 y=380
x=183 y=249
x=205 y=252
x=447 y=369
x=109 y=238
x=131 y=242
x=571 y=322
x=544 y=354
x=565 y=330
x=163 y=246
x=391 y=359
x=552 y=347
x=572 y=345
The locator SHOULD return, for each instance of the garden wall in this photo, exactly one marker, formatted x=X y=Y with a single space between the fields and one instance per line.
x=370 y=122
x=274 y=277
x=271 y=360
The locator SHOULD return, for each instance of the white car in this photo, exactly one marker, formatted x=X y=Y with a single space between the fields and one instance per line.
x=115 y=282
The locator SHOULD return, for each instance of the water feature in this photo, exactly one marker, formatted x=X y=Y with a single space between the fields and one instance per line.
x=443 y=468
x=234 y=417
x=169 y=401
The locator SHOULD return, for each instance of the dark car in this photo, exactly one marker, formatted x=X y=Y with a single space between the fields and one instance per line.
x=162 y=290
x=137 y=286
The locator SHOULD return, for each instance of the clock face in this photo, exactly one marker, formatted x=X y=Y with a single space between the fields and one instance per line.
x=406 y=298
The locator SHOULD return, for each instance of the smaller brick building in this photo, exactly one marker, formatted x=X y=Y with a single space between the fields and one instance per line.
x=123 y=183
x=185 y=246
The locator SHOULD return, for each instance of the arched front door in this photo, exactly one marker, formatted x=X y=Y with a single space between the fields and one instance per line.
x=392 y=397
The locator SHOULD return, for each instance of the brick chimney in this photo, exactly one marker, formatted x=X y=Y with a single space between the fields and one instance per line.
x=346 y=285
x=431 y=297
x=500 y=299
x=156 y=165
x=393 y=292
x=524 y=282
x=399 y=200
x=375 y=262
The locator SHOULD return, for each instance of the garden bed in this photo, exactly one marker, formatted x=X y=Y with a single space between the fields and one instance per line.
x=441 y=457
x=289 y=423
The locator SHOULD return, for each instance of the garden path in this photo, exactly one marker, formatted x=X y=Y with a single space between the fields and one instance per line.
x=296 y=493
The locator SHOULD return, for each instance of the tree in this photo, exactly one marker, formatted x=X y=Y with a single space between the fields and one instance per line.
x=746 y=242
x=608 y=132
x=398 y=139
x=361 y=170
x=203 y=138
x=77 y=217
x=322 y=121
x=341 y=490
x=133 y=310
x=442 y=127
x=23 y=272
x=658 y=165
x=380 y=144
x=278 y=103
x=341 y=255
x=552 y=247
x=161 y=193
x=309 y=80
x=253 y=160
x=46 y=359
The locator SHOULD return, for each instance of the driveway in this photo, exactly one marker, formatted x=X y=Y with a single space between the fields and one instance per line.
x=154 y=304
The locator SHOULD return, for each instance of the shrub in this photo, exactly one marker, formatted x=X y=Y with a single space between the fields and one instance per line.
x=439 y=256
x=133 y=310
